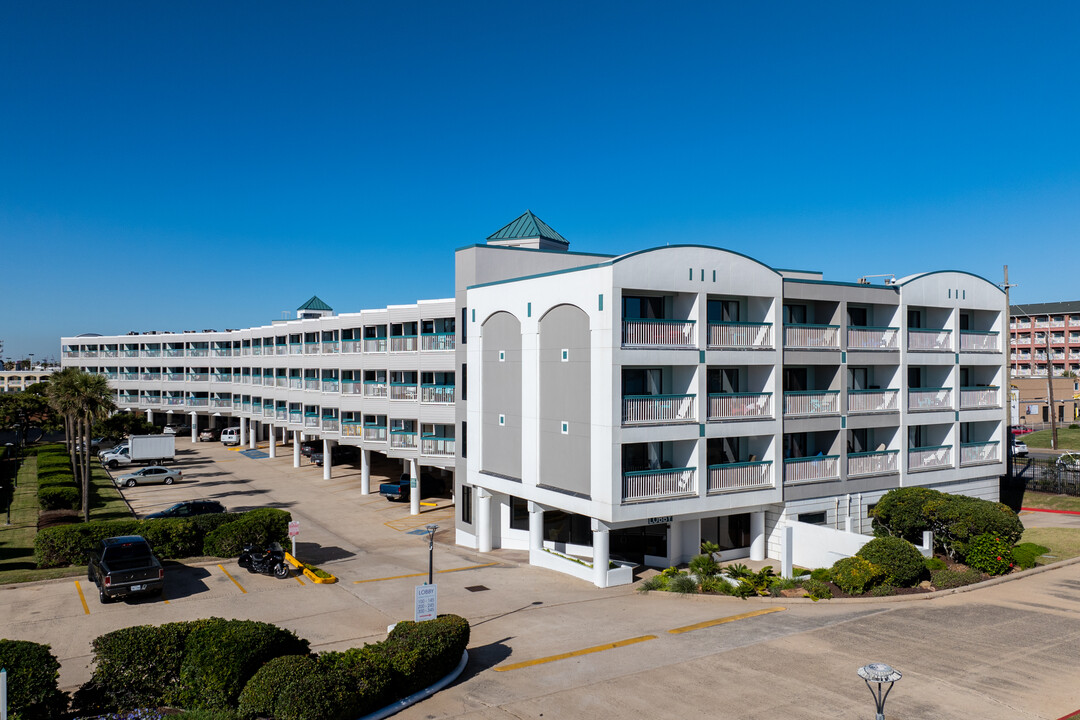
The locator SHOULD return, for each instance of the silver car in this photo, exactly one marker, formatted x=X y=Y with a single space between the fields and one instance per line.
x=153 y=474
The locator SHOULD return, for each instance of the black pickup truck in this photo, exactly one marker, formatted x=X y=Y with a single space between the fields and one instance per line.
x=402 y=489
x=125 y=565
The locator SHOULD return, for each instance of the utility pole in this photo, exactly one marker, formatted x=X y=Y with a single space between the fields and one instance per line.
x=1050 y=390
x=1008 y=378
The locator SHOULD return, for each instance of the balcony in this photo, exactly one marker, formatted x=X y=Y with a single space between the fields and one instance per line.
x=929 y=340
x=350 y=346
x=329 y=347
x=437 y=341
x=659 y=484
x=873 y=401
x=245 y=406
x=654 y=409
x=972 y=341
x=403 y=343
x=281 y=349
x=173 y=400
x=281 y=381
x=663 y=334
x=311 y=383
x=881 y=462
x=375 y=388
x=129 y=376
x=812 y=337
x=150 y=353
x=812 y=402
x=108 y=353
x=198 y=377
x=811 y=469
x=437 y=446
x=873 y=338
x=281 y=414
x=330 y=424
x=375 y=345
x=402 y=391
x=169 y=352
x=174 y=377
x=311 y=420
x=256 y=380
x=311 y=348
x=295 y=417
x=403 y=439
x=928 y=399
x=979 y=453
x=222 y=352
x=330 y=386
x=296 y=383
x=352 y=387
x=296 y=349
x=198 y=402
x=268 y=411
x=198 y=352
x=740 y=336
x=740 y=406
x=351 y=428
x=374 y=433
x=129 y=353
x=740 y=476
x=972 y=398
x=221 y=403
x=929 y=458
x=437 y=394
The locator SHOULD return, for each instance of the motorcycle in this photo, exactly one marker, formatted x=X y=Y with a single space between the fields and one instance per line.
x=269 y=561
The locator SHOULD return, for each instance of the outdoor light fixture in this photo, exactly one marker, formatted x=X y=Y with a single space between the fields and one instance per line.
x=430 y=551
x=879 y=673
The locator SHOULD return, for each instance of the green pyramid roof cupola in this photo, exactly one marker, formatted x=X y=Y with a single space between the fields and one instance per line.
x=528 y=231
x=315 y=304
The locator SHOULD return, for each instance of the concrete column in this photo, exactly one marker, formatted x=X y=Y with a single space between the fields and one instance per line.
x=483 y=520
x=414 y=489
x=296 y=448
x=327 y=461
x=365 y=472
x=787 y=550
x=253 y=430
x=243 y=431
x=601 y=555
x=757 y=536
x=536 y=527
x=674 y=543
x=273 y=441
x=149 y=415
x=194 y=427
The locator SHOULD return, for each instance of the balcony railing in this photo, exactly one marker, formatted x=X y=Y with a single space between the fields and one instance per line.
x=150 y=353
x=311 y=383
x=198 y=402
x=740 y=406
x=920 y=399
x=659 y=334
x=174 y=401
x=281 y=414
x=169 y=352
x=329 y=346
x=311 y=421
x=295 y=417
x=979 y=397
x=174 y=377
x=929 y=340
x=351 y=346
x=150 y=400
x=129 y=376
x=374 y=388
x=812 y=337
x=296 y=383
x=311 y=348
x=281 y=349
x=437 y=341
x=811 y=469
x=659 y=484
x=740 y=476
x=152 y=377
x=740 y=336
x=812 y=402
x=375 y=433
x=880 y=462
x=402 y=391
x=872 y=401
x=351 y=428
x=296 y=349
x=108 y=353
x=129 y=353
x=873 y=338
x=245 y=406
x=439 y=446
x=403 y=343
x=439 y=394
x=128 y=399
x=973 y=341
x=281 y=381
x=222 y=352
x=403 y=439
x=221 y=403
x=375 y=345
x=198 y=377
x=330 y=424
x=352 y=387
x=256 y=380
x=979 y=453
x=268 y=411
x=330 y=386
x=929 y=458
x=651 y=409
x=198 y=352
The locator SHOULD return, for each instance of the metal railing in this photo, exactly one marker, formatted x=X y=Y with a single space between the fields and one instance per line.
x=440 y=394
x=129 y=353
x=351 y=346
x=296 y=349
x=198 y=352
x=740 y=476
x=295 y=417
x=198 y=402
x=440 y=446
x=403 y=343
x=929 y=458
x=812 y=402
x=974 y=341
x=281 y=414
x=221 y=403
x=330 y=424
x=659 y=334
x=873 y=338
x=352 y=387
x=811 y=469
x=920 y=399
x=648 y=409
x=979 y=397
x=403 y=391
x=150 y=353
x=374 y=388
x=873 y=401
x=351 y=428
x=174 y=401
x=312 y=347
x=812 y=337
x=659 y=484
x=929 y=340
x=311 y=421
x=311 y=383
x=330 y=346
x=879 y=462
x=375 y=345
x=739 y=406
x=198 y=377
x=979 y=453
x=375 y=433
x=296 y=383
x=403 y=439
x=330 y=386
x=222 y=352
x=740 y=336
x=169 y=352
x=268 y=411
x=437 y=341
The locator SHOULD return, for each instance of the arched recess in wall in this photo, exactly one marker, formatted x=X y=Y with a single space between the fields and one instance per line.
x=565 y=399
x=500 y=359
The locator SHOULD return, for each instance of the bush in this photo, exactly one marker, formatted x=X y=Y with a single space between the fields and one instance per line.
x=422 y=653
x=902 y=563
x=948 y=579
x=370 y=675
x=817 y=589
x=656 y=582
x=855 y=575
x=172 y=537
x=990 y=554
x=58 y=497
x=298 y=687
x=258 y=527
x=716 y=584
x=1074 y=426
x=1024 y=554
x=68 y=544
x=703 y=566
x=682 y=584
x=899 y=513
x=33 y=673
x=934 y=563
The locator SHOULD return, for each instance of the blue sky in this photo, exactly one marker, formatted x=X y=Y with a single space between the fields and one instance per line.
x=195 y=165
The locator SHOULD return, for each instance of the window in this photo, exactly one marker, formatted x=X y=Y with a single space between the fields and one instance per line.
x=464 y=439
x=814 y=518
x=464 y=381
x=914 y=318
x=519 y=513
x=857 y=441
x=643 y=308
x=464 y=325
x=794 y=314
x=466 y=503
x=857 y=316
x=722 y=311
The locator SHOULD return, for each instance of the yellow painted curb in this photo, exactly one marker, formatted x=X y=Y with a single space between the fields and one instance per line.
x=307 y=573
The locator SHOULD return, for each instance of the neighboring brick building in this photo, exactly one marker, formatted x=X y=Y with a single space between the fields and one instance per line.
x=1028 y=329
x=1033 y=407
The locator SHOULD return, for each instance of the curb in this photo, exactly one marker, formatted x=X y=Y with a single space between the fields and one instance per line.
x=308 y=573
x=1047 y=510
x=420 y=694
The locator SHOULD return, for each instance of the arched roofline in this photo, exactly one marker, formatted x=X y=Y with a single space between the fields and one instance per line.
x=500 y=312
x=577 y=307
x=693 y=245
x=913 y=278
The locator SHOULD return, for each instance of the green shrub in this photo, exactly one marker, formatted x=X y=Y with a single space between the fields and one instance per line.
x=68 y=544
x=682 y=584
x=1074 y=426
x=899 y=513
x=258 y=527
x=901 y=561
x=206 y=524
x=882 y=590
x=422 y=653
x=656 y=582
x=817 y=589
x=220 y=656
x=298 y=687
x=855 y=575
x=58 y=497
x=370 y=675
x=32 y=676
x=990 y=554
x=716 y=584
x=172 y=537
x=822 y=574
x=1024 y=554
x=703 y=566
x=933 y=563
x=948 y=579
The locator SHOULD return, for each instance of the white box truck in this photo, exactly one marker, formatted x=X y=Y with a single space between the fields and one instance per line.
x=147 y=449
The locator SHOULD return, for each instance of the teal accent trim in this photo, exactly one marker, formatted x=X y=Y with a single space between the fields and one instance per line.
x=641 y=473
x=656 y=397
x=351 y=422
x=402 y=432
x=870 y=327
x=979 y=332
x=957 y=416
x=714 y=276
x=808 y=459
x=601 y=301
x=747 y=394
x=809 y=325
x=811 y=392
x=407 y=384
x=983 y=387
x=701 y=356
x=913 y=278
x=752 y=324
x=861 y=392
x=950 y=294
x=840 y=284
x=659 y=321
x=930 y=447
x=691 y=274
x=702 y=274
x=402 y=336
x=533 y=250
x=873 y=452
x=375 y=426
x=527 y=225
x=528 y=311
x=756 y=463
x=474 y=314
x=935 y=389
x=701 y=431
x=311 y=414
x=843 y=357
x=977 y=444
x=843 y=422
x=957 y=358
x=443 y=334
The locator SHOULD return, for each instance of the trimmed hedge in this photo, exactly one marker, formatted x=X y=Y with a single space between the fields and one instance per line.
x=948 y=579
x=171 y=538
x=298 y=687
x=901 y=561
x=57 y=489
x=58 y=497
x=33 y=673
x=856 y=575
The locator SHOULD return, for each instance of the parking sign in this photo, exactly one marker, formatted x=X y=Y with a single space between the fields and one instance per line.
x=426 y=602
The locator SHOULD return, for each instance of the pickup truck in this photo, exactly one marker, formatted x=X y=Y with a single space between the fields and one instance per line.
x=124 y=565
x=400 y=490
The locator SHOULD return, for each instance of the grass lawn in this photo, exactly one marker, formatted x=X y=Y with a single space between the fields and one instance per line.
x=1067 y=439
x=1049 y=501
x=1064 y=543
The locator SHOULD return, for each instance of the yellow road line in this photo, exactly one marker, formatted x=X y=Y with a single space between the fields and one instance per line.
x=721 y=621
x=575 y=653
x=232 y=578
x=82 y=598
x=424 y=574
x=298 y=579
x=434 y=505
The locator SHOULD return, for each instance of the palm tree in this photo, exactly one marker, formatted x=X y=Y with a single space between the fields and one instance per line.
x=61 y=395
x=95 y=402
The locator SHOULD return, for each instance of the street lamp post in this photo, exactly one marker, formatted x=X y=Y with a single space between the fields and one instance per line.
x=879 y=673
x=431 y=552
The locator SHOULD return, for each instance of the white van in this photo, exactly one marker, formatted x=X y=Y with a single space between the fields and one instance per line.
x=230 y=436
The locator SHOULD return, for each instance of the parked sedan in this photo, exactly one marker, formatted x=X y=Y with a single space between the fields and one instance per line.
x=189 y=508
x=338 y=454
x=209 y=434
x=153 y=474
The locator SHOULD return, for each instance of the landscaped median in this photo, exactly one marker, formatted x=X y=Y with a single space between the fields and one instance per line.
x=316 y=575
